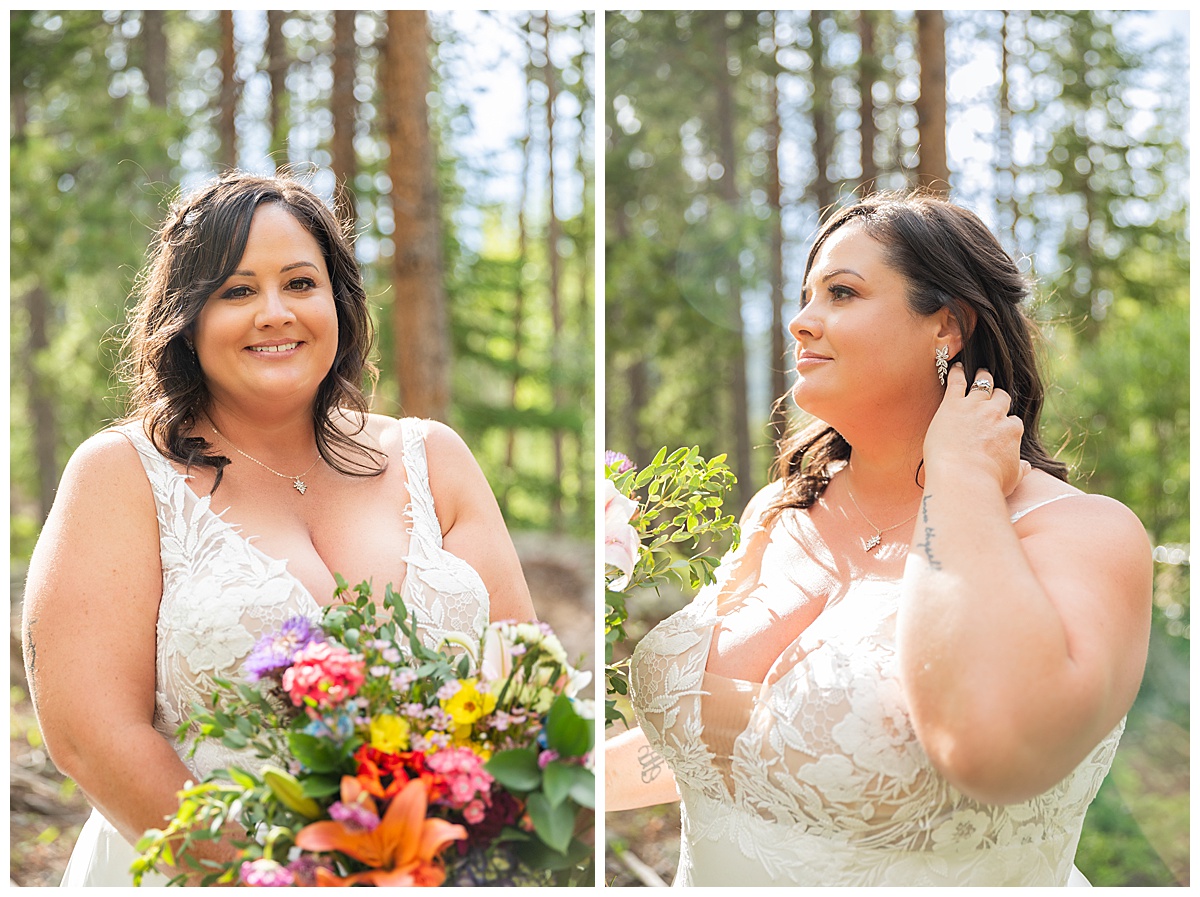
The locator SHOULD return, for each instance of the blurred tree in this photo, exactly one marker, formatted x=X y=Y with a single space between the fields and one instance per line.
x=934 y=173
x=421 y=333
x=229 y=91
x=342 y=104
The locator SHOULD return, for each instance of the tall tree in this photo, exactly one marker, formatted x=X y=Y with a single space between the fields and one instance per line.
x=343 y=105
x=227 y=113
x=934 y=172
x=774 y=129
x=277 y=68
x=422 y=337
x=869 y=68
x=727 y=188
x=822 y=118
x=553 y=235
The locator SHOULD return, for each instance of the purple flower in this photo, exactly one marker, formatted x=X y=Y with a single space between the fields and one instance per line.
x=618 y=462
x=274 y=653
x=354 y=817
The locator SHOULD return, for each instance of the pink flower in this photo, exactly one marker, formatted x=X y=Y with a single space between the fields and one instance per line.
x=323 y=675
x=545 y=758
x=463 y=773
x=621 y=542
x=264 y=873
x=474 y=812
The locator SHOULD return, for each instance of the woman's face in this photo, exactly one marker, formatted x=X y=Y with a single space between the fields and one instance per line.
x=270 y=332
x=860 y=348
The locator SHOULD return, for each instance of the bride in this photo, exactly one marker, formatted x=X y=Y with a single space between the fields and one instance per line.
x=247 y=475
x=915 y=668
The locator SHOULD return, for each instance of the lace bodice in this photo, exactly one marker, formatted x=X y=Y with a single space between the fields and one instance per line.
x=816 y=776
x=221 y=593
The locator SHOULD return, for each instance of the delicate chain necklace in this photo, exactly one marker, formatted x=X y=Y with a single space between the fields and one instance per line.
x=873 y=542
x=298 y=484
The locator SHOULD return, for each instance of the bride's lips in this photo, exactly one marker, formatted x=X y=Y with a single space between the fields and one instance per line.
x=278 y=348
x=808 y=359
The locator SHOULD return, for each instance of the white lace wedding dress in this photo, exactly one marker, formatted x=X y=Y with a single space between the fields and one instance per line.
x=221 y=594
x=815 y=776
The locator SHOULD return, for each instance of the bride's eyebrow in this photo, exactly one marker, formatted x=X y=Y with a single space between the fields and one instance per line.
x=837 y=271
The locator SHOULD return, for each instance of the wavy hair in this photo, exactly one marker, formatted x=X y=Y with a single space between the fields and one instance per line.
x=197 y=249
x=950 y=260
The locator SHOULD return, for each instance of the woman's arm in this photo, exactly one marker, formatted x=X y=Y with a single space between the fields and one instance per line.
x=635 y=775
x=472 y=525
x=90 y=614
x=1020 y=646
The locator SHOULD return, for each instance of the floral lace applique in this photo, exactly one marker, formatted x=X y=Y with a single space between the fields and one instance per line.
x=828 y=784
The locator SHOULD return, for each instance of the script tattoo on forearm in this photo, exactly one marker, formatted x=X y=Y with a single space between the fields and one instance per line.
x=927 y=544
x=31 y=657
x=651 y=762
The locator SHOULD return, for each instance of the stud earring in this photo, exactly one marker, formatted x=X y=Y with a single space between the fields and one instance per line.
x=942 y=360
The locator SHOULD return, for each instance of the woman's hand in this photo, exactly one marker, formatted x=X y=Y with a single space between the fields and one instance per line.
x=974 y=428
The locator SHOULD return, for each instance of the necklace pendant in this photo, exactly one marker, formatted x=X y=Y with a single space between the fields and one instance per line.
x=299 y=485
x=873 y=542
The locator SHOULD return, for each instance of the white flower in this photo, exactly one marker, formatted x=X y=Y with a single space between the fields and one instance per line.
x=621 y=542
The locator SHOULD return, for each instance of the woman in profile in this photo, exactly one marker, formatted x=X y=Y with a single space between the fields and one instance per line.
x=247 y=474
x=915 y=668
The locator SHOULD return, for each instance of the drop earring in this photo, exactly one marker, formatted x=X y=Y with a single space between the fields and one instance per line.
x=942 y=360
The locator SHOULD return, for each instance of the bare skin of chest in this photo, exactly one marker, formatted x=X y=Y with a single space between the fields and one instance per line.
x=787 y=576
x=325 y=530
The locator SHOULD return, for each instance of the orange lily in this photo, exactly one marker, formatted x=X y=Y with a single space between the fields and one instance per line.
x=401 y=851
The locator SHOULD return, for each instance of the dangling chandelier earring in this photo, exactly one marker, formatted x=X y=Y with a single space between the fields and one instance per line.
x=942 y=360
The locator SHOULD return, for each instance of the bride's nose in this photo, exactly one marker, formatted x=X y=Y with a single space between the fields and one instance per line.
x=273 y=309
x=806 y=323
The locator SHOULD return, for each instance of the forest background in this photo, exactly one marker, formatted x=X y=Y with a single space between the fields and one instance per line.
x=726 y=135
x=458 y=148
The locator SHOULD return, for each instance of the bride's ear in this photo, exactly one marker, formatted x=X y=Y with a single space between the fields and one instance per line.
x=950 y=328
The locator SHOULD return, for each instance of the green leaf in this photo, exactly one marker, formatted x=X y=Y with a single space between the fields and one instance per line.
x=314 y=753
x=563 y=780
x=567 y=733
x=516 y=769
x=554 y=825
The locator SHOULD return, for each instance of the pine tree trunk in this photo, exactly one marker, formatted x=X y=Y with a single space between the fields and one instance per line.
x=775 y=201
x=739 y=423
x=868 y=73
x=277 y=66
x=553 y=233
x=420 y=315
x=227 y=113
x=344 y=161
x=934 y=172
x=510 y=452
x=822 y=82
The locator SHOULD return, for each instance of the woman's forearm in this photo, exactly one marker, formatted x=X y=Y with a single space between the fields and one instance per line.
x=984 y=654
x=635 y=775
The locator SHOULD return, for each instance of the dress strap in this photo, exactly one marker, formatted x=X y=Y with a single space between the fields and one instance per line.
x=1041 y=504
x=422 y=514
x=162 y=475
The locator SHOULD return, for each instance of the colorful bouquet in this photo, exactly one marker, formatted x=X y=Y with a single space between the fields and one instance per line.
x=373 y=759
x=668 y=533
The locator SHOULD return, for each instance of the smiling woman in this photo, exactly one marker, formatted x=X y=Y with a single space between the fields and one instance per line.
x=247 y=476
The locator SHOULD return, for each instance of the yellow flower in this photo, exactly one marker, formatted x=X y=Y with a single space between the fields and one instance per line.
x=389 y=733
x=469 y=704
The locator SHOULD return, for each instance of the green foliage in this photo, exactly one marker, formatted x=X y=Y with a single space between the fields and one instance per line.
x=678 y=525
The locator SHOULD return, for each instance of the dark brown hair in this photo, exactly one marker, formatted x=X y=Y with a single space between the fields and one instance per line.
x=197 y=249
x=950 y=260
